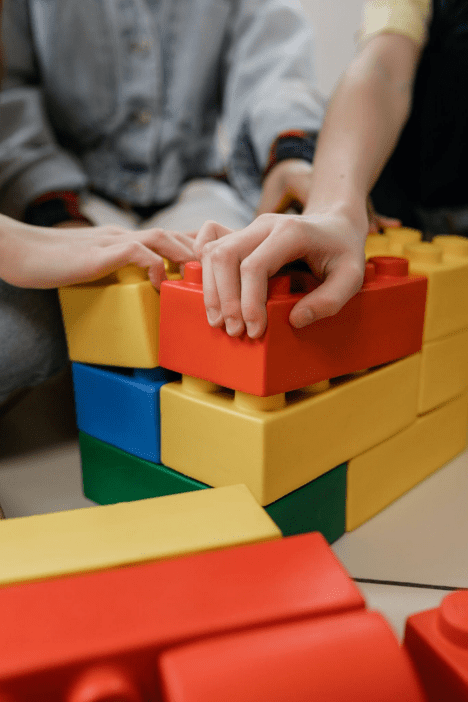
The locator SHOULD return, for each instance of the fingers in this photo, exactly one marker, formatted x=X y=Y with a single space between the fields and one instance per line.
x=285 y=244
x=221 y=263
x=175 y=246
x=383 y=222
x=210 y=231
x=339 y=286
x=97 y=262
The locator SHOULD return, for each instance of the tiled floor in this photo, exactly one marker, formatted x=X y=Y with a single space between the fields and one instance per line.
x=412 y=552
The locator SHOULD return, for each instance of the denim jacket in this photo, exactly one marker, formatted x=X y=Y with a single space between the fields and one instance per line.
x=127 y=95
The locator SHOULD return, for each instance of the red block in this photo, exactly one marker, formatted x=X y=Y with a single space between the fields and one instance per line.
x=437 y=641
x=347 y=657
x=381 y=323
x=96 y=637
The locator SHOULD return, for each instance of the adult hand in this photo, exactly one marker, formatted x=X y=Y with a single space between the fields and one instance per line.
x=42 y=257
x=236 y=268
x=286 y=185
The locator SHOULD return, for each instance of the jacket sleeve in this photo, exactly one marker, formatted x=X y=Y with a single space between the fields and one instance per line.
x=269 y=86
x=31 y=161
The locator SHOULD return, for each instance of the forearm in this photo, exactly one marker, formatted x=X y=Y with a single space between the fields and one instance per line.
x=363 y=123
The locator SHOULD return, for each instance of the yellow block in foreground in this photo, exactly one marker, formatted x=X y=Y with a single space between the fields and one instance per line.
x=444 y=370
x=97 y=538
x=276 y=444
x=113 y=321
x=387 y=471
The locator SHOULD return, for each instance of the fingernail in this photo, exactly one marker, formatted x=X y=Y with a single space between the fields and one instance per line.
x=212 y=315
x=233 y=326
x=303 y=318
x=252 y=329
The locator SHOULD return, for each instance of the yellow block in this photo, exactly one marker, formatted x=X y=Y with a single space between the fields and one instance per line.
x=444 y=370
x=97 y=538
x=277 y=444
x=401 y=237
x=445 y=263
x=392 y=243
x=381 y=475
x=113 y=321
x=446 y=267
x=377 y=245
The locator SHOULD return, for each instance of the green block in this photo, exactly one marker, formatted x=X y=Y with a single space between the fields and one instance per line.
x=318 y=506
x=111 y=475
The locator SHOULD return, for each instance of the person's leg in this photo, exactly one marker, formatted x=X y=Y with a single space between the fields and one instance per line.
x=200 y=200
x=33 y=346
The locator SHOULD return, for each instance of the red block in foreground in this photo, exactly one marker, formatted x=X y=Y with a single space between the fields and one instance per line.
x=437 y=641
x=381 y=323
x=347 y=657
x=97 y=637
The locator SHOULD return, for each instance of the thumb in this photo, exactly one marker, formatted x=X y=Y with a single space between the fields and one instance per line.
x=329 y=297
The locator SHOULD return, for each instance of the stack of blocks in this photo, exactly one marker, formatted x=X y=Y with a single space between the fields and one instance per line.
x=230 y=625
x=147 y=601
x=195 y=596
x=326 y=425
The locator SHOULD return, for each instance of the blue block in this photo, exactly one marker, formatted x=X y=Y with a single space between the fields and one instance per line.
x=121 y=406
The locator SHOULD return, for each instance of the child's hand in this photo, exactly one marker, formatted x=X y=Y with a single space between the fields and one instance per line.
x=286 y=185
x=236 y=268
x=41 y=257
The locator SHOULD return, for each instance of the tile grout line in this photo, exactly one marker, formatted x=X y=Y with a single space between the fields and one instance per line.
x=424 y=586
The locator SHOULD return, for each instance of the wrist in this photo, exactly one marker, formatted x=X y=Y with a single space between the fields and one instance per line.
x=354 y=210
x=54 y=208
x=293 y=145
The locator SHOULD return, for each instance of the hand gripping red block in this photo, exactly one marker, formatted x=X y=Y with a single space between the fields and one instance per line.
x=437 y=641
x=381 y=323
x=346 y=657
x=96 y=637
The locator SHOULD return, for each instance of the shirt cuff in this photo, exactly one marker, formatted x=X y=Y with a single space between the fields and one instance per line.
x=53 y=208
x=294 y=144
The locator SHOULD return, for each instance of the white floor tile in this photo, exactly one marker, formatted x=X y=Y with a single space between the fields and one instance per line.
x=420 y=538
x=396 y=604
x=48 y=480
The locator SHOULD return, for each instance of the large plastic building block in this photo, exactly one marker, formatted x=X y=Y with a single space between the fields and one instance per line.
x=318 y=506
x=275 y=445
x=444 y=370
x=113 y=321
x=392 y=243
x=81 y=540
x=111 y=475
x=121 y=406
x=381 y=323
x=57 y=634
x=437 y=641
x=445 y=263
x=349 y=657
x=381 y=475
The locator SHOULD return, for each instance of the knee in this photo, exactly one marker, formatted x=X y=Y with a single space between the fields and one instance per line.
x=33 y=345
